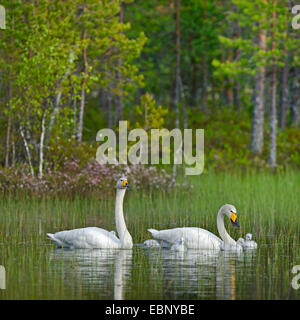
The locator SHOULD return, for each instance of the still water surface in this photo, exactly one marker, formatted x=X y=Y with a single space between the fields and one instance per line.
x=46 y=273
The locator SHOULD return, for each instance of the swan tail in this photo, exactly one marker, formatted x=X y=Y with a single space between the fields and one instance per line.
x=51 y=236
x=154 y=232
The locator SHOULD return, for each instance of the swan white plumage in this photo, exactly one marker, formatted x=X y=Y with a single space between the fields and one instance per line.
x=93 y=237
x=247 y=243
x=151 y=243
x=198 y=238
x=241 y=241
x=178 y=245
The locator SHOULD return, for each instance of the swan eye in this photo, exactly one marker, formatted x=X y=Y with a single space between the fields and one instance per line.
x=233 y=217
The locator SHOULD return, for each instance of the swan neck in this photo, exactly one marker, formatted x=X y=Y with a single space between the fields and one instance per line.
x=222 y=231
x=123 y=233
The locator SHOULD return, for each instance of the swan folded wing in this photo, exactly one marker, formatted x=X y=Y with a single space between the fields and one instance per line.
x=195 y=238
x=250 y=244
x=90 y=237
x=51 y=236
x=151 y=243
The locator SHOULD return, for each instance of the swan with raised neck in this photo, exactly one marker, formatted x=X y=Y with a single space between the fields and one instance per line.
x=124 y=235
x=93 y=237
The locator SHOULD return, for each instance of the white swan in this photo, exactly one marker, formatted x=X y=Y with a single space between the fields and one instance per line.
x=151 y=243
x=241 y=241
x=247 y=243
x=178 y=245
x=93 y=237
x=198 y=238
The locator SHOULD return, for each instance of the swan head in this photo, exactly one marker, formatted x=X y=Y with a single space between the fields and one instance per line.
x=231 y=213
x=248 y=237
x=241 y=241
x=122 y=183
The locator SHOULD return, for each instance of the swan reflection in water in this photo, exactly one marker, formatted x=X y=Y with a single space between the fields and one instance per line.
x=200 y=273
x=189 y=274
x=97 y=269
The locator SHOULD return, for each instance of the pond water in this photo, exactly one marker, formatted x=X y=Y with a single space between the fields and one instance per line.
x=42 y=272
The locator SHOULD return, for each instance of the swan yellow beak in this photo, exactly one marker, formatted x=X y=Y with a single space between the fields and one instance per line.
x=125 y=184
x=233 y=219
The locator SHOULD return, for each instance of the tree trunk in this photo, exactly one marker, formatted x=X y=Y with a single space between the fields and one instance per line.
x=285 y=81
x=7 y=142
x=257 y=134
x=236 y=87
x=119 y=98
x=55 y=111
x=273 y=111
x=229 y=90
x=273 y=120
x=54 y=114
x=204 y=84
x=185 y=115
x=109 y=109
x=172 y=87
x=177 y=74
x=177 y=79
x=8 y=129
x=27 y=151
x=213 y=94
x=74 y=115
x=204 y=66
x=295 y=105
x=193 y=84
x=41 y=149
x=236 y=95
x=83 y=83
x=13 y=160
x=284 y=94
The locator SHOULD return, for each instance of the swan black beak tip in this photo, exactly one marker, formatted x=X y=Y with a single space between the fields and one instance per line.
x=235 y=224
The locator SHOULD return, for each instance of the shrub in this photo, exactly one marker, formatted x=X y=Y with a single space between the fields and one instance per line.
x=73 y=179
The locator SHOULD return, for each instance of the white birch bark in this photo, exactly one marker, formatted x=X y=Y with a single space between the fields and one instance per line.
x=257 y=134
x=27 y=150
x=41 y=148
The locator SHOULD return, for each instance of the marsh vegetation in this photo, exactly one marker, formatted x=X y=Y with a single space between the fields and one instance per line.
x=268 y=206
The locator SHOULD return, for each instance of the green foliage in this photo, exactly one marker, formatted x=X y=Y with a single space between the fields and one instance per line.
x=151 y=115
x=107 y=43
x=227 y=139
x=155 y=20
x=253 y=17
x=43 y=74
x=226 y=136
x=46 y=74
